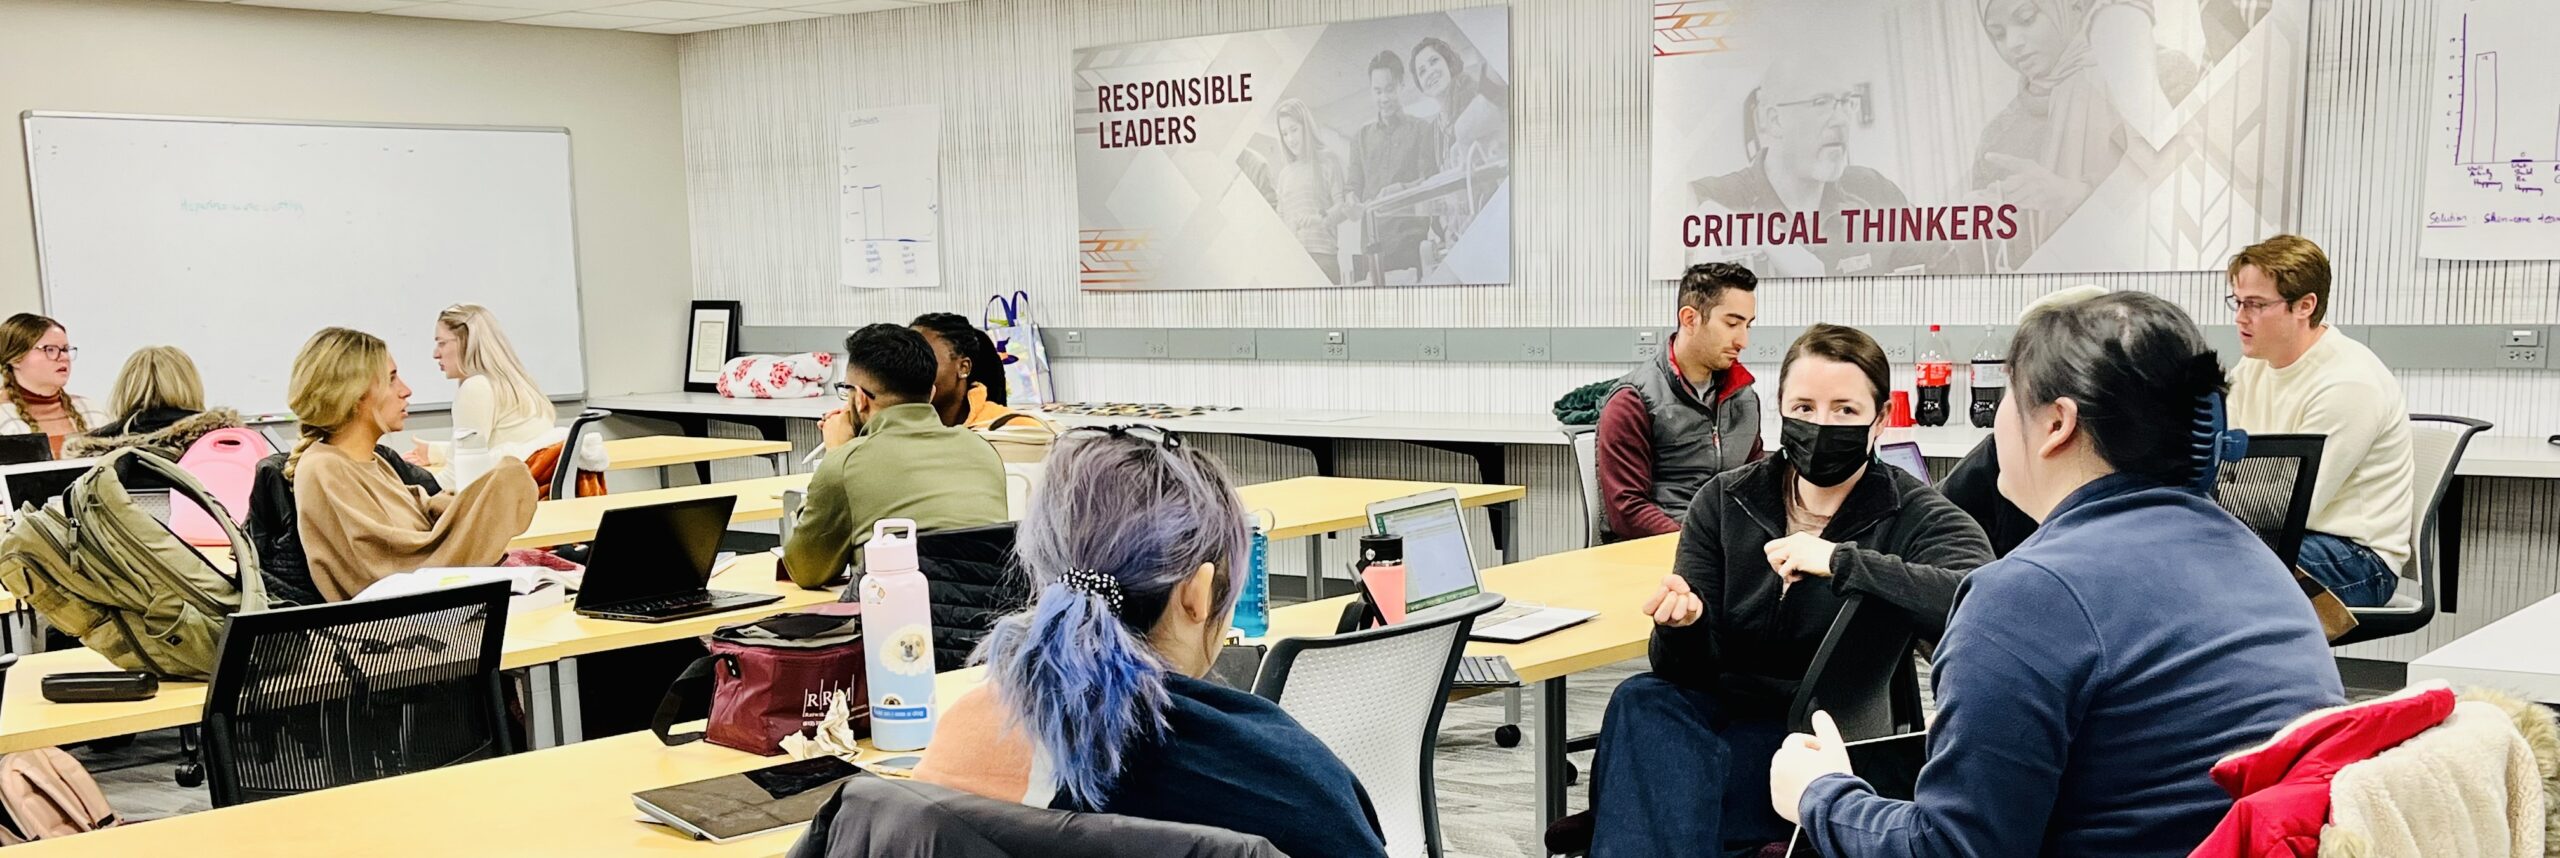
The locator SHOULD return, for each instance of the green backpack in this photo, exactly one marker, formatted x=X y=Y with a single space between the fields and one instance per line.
x=100 y=568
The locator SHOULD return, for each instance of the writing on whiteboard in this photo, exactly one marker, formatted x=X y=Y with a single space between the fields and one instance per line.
x=195 y=206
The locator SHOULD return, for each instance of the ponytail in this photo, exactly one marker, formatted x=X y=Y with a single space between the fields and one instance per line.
x=2137 y=367
x=310 y=435
x=1082 y=684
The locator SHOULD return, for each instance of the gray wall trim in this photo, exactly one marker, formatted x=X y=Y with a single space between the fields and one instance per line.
x=2517 y=347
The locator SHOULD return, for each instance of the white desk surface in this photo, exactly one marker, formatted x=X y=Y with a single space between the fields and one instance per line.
x=715 y=405
x=2489 y=456
x=2514 y=653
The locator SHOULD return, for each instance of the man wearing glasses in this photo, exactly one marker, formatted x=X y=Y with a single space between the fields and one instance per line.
x=1795 y=130
x=2299 y=376
x=889 y=456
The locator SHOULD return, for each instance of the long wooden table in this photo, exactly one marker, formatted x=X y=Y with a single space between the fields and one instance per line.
x=548 y=641
x=576 y=800
x=667 y=451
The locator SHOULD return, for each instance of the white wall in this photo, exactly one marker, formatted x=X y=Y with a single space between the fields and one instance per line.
x=760 y=102
x=616 y=92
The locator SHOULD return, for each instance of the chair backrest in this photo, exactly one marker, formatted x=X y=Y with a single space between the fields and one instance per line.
x=972 y=580
x=564 y=476
x=309 y=698
x=1375 y=697
x=1863 y=673
x=1586 y=467
x=2269 y=489
x=2436 y=443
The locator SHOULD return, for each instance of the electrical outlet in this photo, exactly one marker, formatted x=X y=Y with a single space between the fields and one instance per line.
x=1074 y=345
x=1433 y=351
x=1244 y=351
x=1333 y=338
x=1896 y=352
x=2525 y=357
x=1157 y=349
x=1533 y=351
x=2524 y=338
x=1336 y=350
x=1646 y=349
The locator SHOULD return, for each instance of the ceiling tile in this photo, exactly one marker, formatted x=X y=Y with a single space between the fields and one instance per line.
x=852 y=7
x=332 y=5
x=765 y=16
x=678 y=28
x=671 y=10
x=590 y=21
x=460 y=12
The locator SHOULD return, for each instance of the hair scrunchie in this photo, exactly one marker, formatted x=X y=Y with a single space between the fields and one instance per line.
x=1095 y=582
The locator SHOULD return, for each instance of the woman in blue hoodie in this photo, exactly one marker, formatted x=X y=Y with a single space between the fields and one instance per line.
x=2088 y=681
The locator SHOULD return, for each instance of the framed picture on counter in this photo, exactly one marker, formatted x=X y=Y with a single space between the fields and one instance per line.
x=711 y=339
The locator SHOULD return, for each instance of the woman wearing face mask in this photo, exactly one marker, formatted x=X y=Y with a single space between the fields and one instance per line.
x=358 y=520
x=2088 y=681
x=1765 y=556
x=1093 y=700
x=35 y=364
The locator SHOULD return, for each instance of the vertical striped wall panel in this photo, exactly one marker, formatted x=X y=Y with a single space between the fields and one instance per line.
x=760 y=105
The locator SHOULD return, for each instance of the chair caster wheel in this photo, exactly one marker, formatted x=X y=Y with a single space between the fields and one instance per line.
x=1572 y=773
x=191 y=775
x=1507 y=735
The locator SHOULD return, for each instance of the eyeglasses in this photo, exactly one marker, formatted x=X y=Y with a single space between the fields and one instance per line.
x=845 y=389
x=58 y=352
x=2251 y=306
x=1157 y=435
x=1843 y=102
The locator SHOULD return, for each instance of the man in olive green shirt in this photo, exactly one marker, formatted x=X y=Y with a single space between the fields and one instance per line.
x=904 y=464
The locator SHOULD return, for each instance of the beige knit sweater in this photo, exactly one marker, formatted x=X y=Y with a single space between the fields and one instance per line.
x=361 y=524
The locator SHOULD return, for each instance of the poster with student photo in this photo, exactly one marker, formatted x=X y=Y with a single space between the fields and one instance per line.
x=1357 y=153
x=1865 y=137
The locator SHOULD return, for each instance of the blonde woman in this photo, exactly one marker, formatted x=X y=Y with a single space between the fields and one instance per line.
x=498 y=412
x=358 y=521
x=35 y=367
x=159 y=405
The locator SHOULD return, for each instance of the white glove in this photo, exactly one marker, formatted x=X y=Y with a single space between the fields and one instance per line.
x=1802 y=760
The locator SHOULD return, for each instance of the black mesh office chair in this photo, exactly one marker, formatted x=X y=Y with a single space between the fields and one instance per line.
x=564 y=476
x=2269 y=489
x=308 y=698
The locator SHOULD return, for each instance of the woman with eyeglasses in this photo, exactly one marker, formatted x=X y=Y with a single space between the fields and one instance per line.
x=35 y=365
x=1093 y=702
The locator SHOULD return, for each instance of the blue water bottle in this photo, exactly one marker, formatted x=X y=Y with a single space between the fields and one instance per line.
x=1253 y=607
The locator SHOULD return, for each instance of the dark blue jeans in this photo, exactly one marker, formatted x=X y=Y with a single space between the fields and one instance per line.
x=1674 y=777
x=2353 y=572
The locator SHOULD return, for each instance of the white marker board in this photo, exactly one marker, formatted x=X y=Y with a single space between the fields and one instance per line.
x=237 y=239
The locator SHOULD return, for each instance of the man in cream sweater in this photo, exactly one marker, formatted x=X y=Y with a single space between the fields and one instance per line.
x=2300 y=376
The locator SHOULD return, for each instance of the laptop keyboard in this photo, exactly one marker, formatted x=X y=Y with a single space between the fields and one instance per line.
x=667 y=604
x=1485 y=671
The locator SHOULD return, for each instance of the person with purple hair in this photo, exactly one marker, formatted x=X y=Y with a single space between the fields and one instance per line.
x=1135 y=545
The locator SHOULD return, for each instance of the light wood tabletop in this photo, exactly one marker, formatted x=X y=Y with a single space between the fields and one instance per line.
x=539 y=636
x=659 y=451
x=567 y=520
x=576 y=799
x=1307 y=506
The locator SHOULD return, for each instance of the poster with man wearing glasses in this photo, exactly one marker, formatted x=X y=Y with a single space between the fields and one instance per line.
x=1827 y=138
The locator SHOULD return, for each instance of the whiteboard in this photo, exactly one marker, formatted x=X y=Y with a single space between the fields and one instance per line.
x=235 y=240
x=889 y=195
x=2493 y=159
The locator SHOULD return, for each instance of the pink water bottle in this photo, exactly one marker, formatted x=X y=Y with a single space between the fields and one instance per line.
x=897 y=638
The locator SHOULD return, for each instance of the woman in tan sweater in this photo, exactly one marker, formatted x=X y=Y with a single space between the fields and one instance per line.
x=359 y=523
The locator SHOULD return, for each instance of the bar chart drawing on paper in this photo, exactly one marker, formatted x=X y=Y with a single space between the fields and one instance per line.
x=889 y=189
x=2493 y=171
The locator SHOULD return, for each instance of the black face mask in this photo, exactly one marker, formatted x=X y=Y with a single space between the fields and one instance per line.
x=1824 y=455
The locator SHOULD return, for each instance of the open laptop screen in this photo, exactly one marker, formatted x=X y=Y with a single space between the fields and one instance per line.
x=37 y=482
x=1439 y=566
x=1906 y=455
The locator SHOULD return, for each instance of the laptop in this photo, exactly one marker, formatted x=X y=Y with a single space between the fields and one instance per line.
x=653 y=563
x=1906 y=455
x=1440 y=568
x=34 y=483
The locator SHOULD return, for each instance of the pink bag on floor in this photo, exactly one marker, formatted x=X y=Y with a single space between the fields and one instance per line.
x=225 y=461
